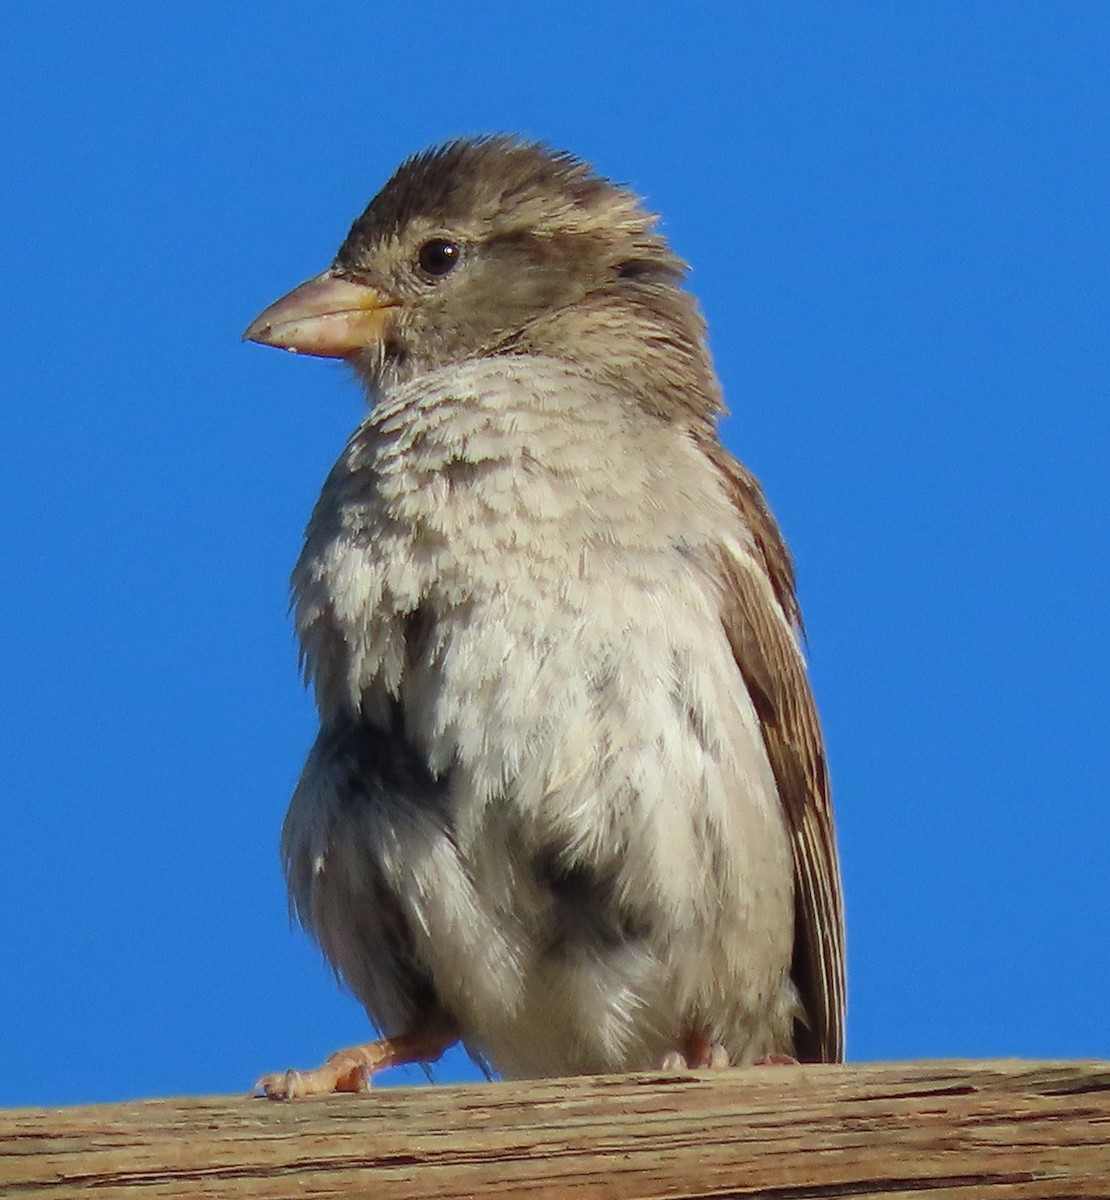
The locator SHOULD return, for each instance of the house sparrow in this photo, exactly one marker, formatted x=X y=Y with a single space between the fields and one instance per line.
x=569 y=802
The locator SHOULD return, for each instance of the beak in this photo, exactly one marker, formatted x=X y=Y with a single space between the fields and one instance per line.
x=328 y=316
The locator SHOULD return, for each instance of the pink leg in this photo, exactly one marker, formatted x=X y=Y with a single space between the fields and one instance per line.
x=352 y=1070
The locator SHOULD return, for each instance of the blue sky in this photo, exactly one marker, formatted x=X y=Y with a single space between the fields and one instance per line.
x=897 y=221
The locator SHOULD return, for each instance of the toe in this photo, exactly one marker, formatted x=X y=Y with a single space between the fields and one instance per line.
x=356 y=1078
x=279 y=1085
x=717 y=1058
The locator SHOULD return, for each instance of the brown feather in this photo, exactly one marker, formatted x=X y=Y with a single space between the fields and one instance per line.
x=767 y=653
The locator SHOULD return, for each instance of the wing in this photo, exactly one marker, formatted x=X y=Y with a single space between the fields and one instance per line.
x=761 y=617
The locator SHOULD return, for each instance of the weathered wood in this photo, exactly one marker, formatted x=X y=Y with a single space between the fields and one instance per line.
x=973 y=1131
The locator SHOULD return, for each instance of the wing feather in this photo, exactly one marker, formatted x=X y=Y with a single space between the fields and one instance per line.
x=762 y=621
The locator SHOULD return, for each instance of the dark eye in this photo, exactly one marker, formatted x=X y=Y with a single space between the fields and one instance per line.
x=438 y=257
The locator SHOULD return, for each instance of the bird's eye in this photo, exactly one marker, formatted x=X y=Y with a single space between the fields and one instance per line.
x=438 y=257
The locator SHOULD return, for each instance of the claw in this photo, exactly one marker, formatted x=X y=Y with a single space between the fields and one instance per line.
x=280 y=1085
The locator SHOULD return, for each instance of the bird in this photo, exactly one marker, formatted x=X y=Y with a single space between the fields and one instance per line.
x=569 y=803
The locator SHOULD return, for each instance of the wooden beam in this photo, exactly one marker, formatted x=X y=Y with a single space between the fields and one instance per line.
x=966 y=1130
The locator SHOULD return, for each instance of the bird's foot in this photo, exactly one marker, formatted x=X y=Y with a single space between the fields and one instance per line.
x=696 y=1053
x=777 y=1060
x=353 y=1069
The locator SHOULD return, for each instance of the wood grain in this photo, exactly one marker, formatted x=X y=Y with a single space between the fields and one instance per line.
x=967 y=1130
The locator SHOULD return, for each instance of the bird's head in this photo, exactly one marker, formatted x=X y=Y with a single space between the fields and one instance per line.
x=498 y=246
